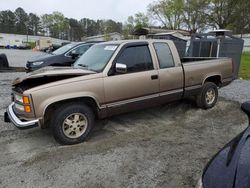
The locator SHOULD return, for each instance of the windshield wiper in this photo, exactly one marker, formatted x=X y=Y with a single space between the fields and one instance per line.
x=86 y=67
x=82 y=65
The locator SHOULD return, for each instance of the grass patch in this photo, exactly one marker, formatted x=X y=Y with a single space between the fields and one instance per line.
x=245 y=66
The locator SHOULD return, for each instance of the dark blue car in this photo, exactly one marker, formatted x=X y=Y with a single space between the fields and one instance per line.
x=230 y=167
x=64 y=56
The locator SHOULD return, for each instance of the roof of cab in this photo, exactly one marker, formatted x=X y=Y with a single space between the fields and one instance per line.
x=118 y=42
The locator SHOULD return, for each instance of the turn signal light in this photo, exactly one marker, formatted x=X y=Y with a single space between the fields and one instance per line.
x=26 y=100
x=27 y=109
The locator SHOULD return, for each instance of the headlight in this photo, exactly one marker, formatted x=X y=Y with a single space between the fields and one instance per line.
x=25 y=103
x=18 y=98
x=38 y=63
x=19 y=107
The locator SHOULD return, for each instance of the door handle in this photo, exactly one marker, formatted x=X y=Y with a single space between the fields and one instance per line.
x=154 y=77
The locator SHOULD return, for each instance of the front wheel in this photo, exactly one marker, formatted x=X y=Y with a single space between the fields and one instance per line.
x=72 y=123
x=208 y=96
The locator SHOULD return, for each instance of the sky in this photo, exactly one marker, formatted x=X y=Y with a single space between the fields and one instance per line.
x=118 y=10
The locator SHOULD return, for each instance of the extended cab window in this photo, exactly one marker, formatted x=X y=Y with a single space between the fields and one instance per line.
x=164 y=55
x=137 y=58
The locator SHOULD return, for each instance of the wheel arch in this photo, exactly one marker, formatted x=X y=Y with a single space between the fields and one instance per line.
x=216 y=79
x=89 y=101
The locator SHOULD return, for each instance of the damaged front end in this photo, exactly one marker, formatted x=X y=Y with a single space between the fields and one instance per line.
x=45 y=76
x=21 y=112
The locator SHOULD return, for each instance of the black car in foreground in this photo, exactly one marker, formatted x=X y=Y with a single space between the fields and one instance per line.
x=230 y=167
x=64 y=56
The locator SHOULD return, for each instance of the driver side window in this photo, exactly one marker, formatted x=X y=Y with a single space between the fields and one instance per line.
x=137 y=59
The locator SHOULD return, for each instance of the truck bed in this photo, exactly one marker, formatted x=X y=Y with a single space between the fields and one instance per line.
x=197 y=69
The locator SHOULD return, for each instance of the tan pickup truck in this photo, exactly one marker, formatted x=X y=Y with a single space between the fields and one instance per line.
x=113 y=78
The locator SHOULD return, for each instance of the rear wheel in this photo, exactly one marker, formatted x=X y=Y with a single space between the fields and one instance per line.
x=208 y=96
x=72 y=123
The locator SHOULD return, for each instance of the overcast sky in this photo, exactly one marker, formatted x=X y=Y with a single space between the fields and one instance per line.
x=118 y=10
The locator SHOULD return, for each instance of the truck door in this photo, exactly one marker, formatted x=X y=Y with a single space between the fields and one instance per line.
x=136 y=88
x=170 y=74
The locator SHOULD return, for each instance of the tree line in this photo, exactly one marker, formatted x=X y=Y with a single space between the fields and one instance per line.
x=54 y=25
x=190 y=15
x=195 y=15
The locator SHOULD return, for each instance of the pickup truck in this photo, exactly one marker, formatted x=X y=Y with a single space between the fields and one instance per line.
x=112 y=78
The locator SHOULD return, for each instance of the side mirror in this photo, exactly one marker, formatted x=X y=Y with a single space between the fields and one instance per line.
x=121 y=68
x=246 y=108
x=74 y=54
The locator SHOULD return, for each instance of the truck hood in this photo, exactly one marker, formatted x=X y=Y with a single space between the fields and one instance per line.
x=47 y=75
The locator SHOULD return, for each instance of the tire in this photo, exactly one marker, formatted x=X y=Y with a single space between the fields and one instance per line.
x=72 y=123
x=208 y=96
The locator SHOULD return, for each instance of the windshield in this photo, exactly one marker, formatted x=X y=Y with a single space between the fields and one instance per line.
x=63 y=49
x=96 y=58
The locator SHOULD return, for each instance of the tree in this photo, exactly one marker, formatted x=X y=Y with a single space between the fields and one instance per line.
x=22 y=19
x=89 y=27
x=220 y=11
x=195 y=15
x=112 y=26
x=141 y=20
x=75 y=30
x=55 y=25
x=241 y=15
x=230 y=14
x=128 y=28
x=168 y=12
x=33 y=24
x=7 y=22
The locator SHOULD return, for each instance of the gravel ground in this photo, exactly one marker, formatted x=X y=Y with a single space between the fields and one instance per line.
x=239 y=91
x=166 y=146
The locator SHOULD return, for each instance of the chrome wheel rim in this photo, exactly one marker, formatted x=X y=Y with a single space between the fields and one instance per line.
x=75 y=125
x=210 y=96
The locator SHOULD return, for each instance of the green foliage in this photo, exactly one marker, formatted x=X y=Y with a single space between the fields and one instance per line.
x=137 y=22
x=33 y=24
x=7 y=21
x=21 y=23
x=32 y=44
x=167 y=12
x=245 y=66
x=199 y=15
x=54 y=25
x=141 y=20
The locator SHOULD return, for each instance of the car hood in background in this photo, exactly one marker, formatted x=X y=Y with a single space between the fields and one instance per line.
x=42 y=57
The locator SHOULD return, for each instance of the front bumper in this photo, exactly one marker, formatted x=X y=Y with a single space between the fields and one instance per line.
x=30 y=68
x=10 y=116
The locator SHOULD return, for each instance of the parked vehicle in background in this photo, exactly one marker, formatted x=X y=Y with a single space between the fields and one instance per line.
x=113 y=78
x=64 y=56
x=230 y=167
x=51 y=48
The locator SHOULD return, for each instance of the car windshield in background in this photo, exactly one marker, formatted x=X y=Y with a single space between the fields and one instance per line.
x=96 y=58
x=63 y=49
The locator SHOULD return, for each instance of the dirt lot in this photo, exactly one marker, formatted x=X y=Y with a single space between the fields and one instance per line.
x=167 y=146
